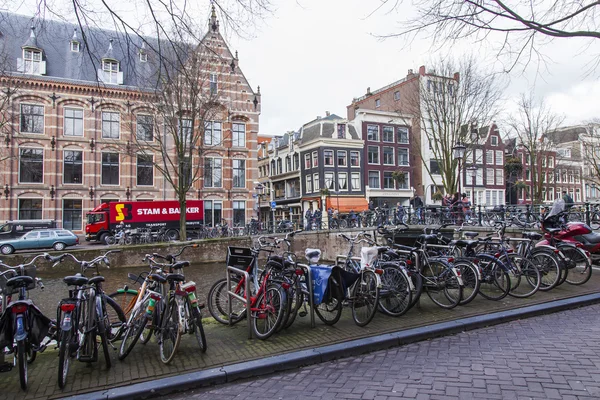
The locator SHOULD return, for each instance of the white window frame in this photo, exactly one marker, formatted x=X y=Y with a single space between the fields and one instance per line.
x=378 y=155
x=21 y=118
x=71 y=119
x=407 y=156
x=494 y=140
x=82 y=166
x=32 y=62
x=393 y=156
x=499 y=157
x=327 y=152
x=329 y=181
x=341 y=177
x=238 y=137
x=403 y=128
x=378 y=179
x=357 y=157
x=345 y=157
x=212 y=139
x=111 y=122
x=316 y=182
x=355 y=175
x=383 y=134
x=489 y=157
x=308 y=180
x=43 y=165
x=110 y=69
x=376 y=133
x=315 y=159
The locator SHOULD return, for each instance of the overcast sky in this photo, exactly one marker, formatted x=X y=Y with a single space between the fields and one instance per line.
x=313 y=56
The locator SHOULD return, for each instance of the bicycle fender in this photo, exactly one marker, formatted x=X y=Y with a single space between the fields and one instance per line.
x=66 y=323
x=21 y=333
x=129 y=291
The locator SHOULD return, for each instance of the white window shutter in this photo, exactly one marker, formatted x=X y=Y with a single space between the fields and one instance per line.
x=20 y=65
x=101 y=75
x=120 y=77
x=43 y=68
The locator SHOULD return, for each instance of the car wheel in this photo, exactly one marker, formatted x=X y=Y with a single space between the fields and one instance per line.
x=59 y=246
x=7 y=249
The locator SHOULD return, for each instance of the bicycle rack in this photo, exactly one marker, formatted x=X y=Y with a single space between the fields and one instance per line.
x=311 y=302
x=245 y=301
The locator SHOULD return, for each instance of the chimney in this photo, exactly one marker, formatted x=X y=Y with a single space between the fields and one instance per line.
x=327 y=114
x=422 y=70
x=318 y=117
x=457 y=76
x=410 y=71
x=368 y=91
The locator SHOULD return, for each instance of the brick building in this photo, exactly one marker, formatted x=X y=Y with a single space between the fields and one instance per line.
x=74 y=112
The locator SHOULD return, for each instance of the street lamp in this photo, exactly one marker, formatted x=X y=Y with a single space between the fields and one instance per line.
x=459 y=150
x=259 y=188
x=473 y=173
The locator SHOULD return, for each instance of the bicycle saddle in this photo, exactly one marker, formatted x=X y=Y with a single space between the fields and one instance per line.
x=175 y=278
x=427 y=238
x=19 y=281
x=532 y=235
x=180 y=264
x=157 y=278
x=96 y=279
x=471 y=234
x=75 y=280
x=465 y=243
x=553 y=230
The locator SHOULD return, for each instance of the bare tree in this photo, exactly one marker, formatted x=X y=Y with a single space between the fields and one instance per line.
x=590 y=143
x=7 y=90
x=448 y=101
x=517 y=28
x=530 y=124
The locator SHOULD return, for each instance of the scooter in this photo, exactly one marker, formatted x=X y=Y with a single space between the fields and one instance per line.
x=578 y=234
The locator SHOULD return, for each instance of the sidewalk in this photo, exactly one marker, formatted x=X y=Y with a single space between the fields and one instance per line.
x=229 y=346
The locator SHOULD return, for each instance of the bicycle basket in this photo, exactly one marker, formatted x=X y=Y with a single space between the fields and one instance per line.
x=29 y=271
x=239 y=257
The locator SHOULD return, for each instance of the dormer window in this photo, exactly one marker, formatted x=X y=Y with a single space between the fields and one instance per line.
x=75 y=47
x=32 y=62
x=110 y=70
x=143 y=57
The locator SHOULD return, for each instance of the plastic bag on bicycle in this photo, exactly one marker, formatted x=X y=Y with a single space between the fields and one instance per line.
x=320 y=277
x=38 y=324
x=368 y=255
x=339 y=281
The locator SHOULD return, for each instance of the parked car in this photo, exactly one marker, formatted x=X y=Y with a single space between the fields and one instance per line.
x=14 y=229
x=57 y=239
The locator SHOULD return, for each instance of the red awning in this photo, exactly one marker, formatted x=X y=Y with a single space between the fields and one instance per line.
x=347 y=204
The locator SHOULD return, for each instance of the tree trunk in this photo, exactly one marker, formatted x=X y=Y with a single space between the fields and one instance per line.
x=182 y=219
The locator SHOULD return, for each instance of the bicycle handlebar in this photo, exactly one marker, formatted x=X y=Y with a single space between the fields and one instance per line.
x=82 y=263
x=24 y=265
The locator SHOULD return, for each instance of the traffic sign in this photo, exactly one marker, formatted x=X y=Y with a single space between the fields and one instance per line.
x=273 y=205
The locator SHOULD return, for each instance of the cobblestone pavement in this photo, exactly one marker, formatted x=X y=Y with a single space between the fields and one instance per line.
x=230 y=345
x=555 y=356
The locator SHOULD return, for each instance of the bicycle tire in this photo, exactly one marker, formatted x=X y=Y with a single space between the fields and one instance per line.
x=125 y=300
x=170 y=332
x=148 y=330
x=495 y=281
x=471 y=282
x=64 y=358
x=115 y=318
x=395 y=296
x=199 y=329
x=218 y=302
x=579 y=270
x=329 y=311
x=295 y=299
x=365 y=298
x=442 y=285
x=417 y=287
x=88 y=324
x=525 y=278
x=31 y=355
x=269 y=311
x=22 y=363
x=105 y=350
x=137 y=323
x=549 y=267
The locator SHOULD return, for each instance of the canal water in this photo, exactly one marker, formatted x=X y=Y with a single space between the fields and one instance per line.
x=55 y=289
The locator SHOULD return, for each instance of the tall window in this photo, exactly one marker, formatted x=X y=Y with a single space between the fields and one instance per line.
x=32 y=60
x=72 y=214
x=499 y=176
x=315 y=159
x=110 y=168
x=343 y=181
x=213 y=84
x=73 y=166
x=388 y=156
x=341 y=133
x=494 y=140
x=500 y=157
x=213 y=212
x=73 y=122
x=145 y=170
x=397 y=95
x=489 y=176
x=239 y=173
x=111 y=71
x=307 y=161
x=30 y=208
x=478 y=156
x=316 y=182
x=239 y=135
x=373 y=133
x=402 y=135
x=296 y=162
x=402 y=156
x=354 y=159
x=377 y=103
x=239 y=213
x=388 y=181
x=404 y=184
x=111 y=122
x=355 y=182
x=329 y=182
x=342 y=158
x=212 y=133
x=213 y=172
x=31 y=166
x=309 y=187
x=388 y=134
x=145 y=128
x=373 y=155
x=327 y=157
x=434 y=166
x=288 y=163
x=374 y=179
x=489 y=157
x=32 y=118
x=186 y=131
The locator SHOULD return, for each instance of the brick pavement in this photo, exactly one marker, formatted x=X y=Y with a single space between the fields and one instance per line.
x=554 y=356
x=229 y=345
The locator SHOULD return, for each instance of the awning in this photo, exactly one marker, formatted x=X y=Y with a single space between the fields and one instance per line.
x=347 y=204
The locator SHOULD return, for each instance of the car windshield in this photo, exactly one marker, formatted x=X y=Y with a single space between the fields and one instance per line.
x=93 y=217
x=5 y=228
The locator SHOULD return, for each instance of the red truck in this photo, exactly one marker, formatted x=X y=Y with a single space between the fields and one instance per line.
x=103 y=220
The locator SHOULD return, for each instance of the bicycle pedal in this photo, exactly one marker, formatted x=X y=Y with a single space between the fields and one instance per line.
x=6 y=367
x=302 y=313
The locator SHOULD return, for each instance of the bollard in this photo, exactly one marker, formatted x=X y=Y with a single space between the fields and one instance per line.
x=479 y=212
x=587 y=214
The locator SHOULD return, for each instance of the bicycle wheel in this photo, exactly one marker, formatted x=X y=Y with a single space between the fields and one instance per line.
x=115 y=318
x=470 y=276
x=295 y=299
x=329 y=311
x=595 y=221
x=125 y=300
x=268 y=311
x=196 y=325
x=365 y=296
x=395 y=295
x=218 y=301
x=170 y=334
x=22 y=363
x=149 y=329
x=136 y=324
x=579 y=266
x=442 y=285
x=417 y=287
x=549 y=267
x=525 y=278
x=104 y=340
x=495 y=281
x=64 y=357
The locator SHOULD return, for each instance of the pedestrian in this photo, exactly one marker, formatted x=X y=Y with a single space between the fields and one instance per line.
x=466 y=206
x=307 y=218
x=352 y=218
x=371 y=206
x=568 y=200
x=318 y=216
x=456 y=206
x=399 y=213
